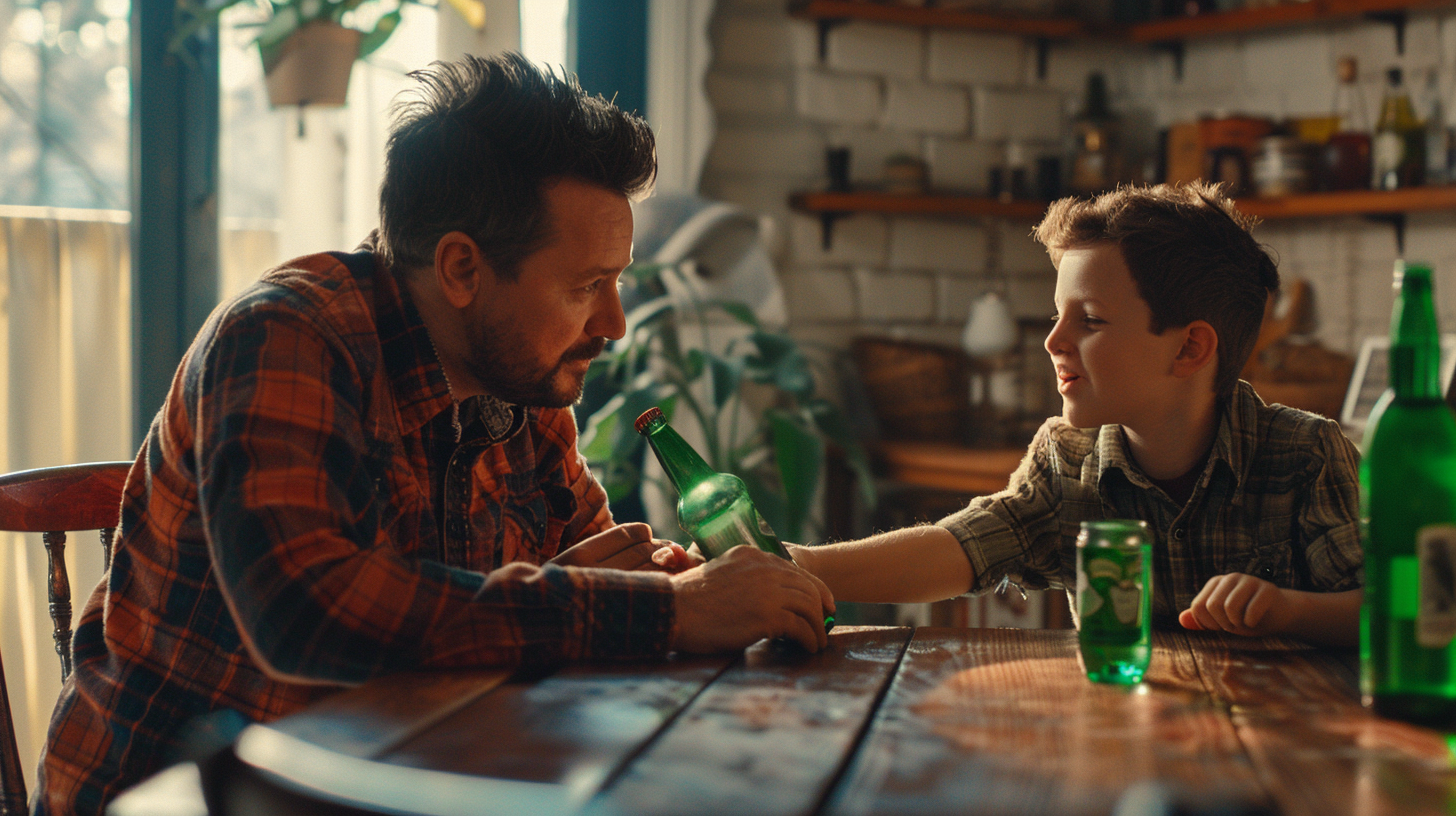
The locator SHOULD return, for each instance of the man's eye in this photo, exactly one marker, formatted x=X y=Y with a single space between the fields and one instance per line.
x=592 y=287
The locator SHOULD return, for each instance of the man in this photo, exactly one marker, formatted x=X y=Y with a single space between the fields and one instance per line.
x=367 y=462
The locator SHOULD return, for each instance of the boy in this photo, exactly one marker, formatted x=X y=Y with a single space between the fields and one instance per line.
x=1254 y=509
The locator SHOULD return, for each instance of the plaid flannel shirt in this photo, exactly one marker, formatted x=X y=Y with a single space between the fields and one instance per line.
x=1278 y=499
x=311 y=508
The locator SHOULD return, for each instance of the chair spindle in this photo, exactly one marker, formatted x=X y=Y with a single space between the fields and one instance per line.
x=60 y=597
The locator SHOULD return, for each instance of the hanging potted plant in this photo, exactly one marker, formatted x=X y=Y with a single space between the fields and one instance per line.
x=308 y=47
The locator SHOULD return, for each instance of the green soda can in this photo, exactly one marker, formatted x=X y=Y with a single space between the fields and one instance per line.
x=1114 y=600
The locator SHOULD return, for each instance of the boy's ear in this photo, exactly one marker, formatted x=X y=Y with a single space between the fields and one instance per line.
x=460 y=268
x=1200 y=349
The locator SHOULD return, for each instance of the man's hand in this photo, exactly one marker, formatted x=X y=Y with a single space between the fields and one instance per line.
x=625 y=547
x=1241 y=604
x=745 y=595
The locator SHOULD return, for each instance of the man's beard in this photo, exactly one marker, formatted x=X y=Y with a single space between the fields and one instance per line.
x=496 y=364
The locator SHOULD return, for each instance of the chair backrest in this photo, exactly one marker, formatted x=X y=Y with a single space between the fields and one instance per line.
x=53 y=501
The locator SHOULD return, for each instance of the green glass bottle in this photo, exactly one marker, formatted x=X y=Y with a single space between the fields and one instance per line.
x=1408 y=522
x=712 y=507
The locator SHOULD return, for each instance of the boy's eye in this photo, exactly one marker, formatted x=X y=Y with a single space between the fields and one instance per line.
x=1089 y=320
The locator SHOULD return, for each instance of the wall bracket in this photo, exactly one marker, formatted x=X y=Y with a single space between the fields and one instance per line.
x=1397 y=222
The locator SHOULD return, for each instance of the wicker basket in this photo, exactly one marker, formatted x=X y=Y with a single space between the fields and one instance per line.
x=920 y=391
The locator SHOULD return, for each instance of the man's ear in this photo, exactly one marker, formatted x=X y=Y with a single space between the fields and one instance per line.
x=460 y=268
x=1200 y=348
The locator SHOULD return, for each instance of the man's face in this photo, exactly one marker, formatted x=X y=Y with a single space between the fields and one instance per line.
x=532 y=339
x=1111 y=369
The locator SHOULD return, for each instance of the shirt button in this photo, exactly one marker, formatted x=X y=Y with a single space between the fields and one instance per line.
x=1178 y=534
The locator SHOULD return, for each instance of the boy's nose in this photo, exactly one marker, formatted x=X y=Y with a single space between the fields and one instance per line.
x=1055 y=342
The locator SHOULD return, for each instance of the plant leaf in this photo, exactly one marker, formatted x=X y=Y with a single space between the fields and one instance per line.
x=371 y=40
x=832 y=424
x=738 y=311
x=799 y=456
x=727 y=373
x=473 y=12
x=768 y=499
x=693 y=363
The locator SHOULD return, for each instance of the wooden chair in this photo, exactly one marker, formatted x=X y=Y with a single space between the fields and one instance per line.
x=52 y=501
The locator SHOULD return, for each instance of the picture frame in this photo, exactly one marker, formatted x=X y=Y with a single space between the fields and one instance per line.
x=1372 y=371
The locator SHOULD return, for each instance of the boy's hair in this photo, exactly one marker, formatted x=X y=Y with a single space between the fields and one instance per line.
x=472 y=151
x=1190 y=254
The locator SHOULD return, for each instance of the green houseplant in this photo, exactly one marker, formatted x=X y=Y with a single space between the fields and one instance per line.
x=753 y=398
x=308 y=47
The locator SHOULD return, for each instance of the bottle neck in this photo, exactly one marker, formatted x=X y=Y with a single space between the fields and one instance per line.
x=1415 y=345
x=683 y=464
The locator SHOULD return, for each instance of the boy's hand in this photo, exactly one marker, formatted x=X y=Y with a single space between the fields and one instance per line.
x=671 y=557
x=1238 y=603
x=626 y=547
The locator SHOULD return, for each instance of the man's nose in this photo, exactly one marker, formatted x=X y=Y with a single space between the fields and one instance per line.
x=608 y=320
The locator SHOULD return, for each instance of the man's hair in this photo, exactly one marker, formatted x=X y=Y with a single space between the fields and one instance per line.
x=1190 y=254
x=474 y=148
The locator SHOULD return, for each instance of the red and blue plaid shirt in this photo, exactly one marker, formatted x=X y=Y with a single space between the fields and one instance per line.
x=311 y=508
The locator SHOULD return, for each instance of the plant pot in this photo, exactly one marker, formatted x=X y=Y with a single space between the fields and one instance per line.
x=312 y=66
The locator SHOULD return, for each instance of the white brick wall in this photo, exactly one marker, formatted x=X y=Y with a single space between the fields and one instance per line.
x=962 y=164
x=870 y=147
x=769 y=151
x=865 y=48
x=858 y=239
x=825 y=97
x=920 y=243
x=895 y=297
x=916 y=106
x=970 y=58
x=751 y=94
x=820 y=296
x=1023 y=114
x=955 y=98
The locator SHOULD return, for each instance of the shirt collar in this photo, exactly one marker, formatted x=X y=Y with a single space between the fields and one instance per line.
x=1233 y=443
x=418 y=379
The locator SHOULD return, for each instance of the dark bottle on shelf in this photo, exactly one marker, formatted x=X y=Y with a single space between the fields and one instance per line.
x=1096 y=160
x=1408 y=523
x=1398 y=151
x=1346 y=158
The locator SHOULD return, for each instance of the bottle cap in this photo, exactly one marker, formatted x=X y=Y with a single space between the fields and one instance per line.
x=648 y=418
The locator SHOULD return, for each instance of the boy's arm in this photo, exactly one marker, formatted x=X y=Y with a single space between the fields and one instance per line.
x=913 y=565
x=1245 y=605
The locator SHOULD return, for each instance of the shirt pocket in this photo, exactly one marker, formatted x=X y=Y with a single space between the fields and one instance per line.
x=1272 y=563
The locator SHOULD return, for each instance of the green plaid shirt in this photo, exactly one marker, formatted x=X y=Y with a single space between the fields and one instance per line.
x=1278 y=499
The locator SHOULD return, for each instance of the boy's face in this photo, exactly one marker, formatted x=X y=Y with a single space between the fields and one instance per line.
x=1111 y=369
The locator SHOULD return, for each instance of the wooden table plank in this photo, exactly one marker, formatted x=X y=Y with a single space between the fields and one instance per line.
x=769 y=735
x=574 y=728
x=1004 y=721
x=1298 y=713
x=367 y=721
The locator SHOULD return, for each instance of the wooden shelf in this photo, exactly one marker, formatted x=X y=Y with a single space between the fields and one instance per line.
x=1310 y=205
x=840 y=10
x=915 y=204
x=1178 y=29
x=1173 y=29
x=949 y=467
x=1354 y=202
x=1385 y=205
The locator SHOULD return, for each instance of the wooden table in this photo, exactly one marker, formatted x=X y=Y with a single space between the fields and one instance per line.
x=887 y=720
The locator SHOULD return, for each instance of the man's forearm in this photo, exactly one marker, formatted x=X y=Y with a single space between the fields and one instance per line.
x=1329 y=618
x=913 y=565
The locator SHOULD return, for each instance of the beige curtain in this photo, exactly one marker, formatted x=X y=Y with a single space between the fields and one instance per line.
x=65 y=392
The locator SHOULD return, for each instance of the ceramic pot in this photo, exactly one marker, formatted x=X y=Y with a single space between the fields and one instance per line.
x=312 y=66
